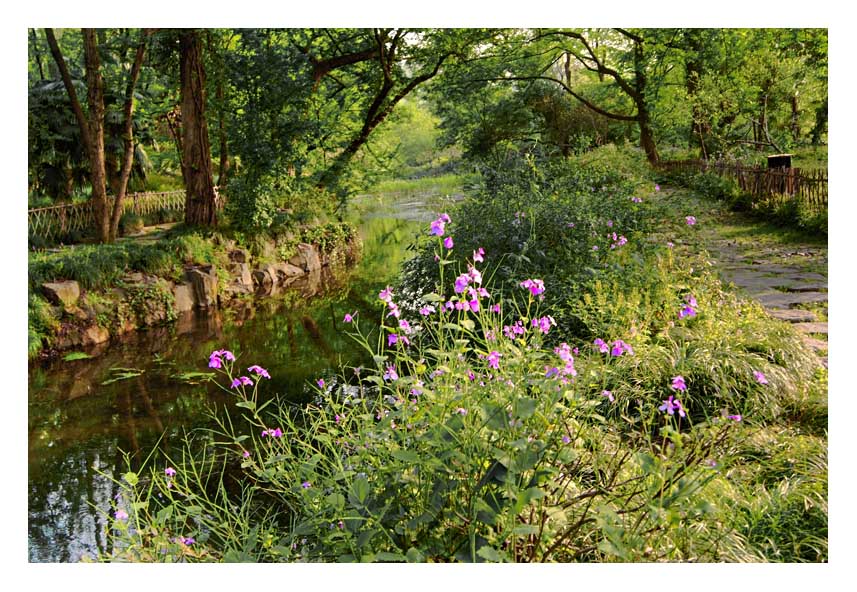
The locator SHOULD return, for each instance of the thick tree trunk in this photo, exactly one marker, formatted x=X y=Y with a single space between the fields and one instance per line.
x=795 y=118
x=200 y=202
x=95 y=96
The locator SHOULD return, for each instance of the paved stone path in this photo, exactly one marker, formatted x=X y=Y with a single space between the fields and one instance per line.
x=781 y=278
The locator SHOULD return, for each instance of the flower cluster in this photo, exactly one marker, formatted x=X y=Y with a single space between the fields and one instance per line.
x=564 y=353
x=672 y=405
x=619 y=347
x=691 y=220
x=438 y=227
x=215 y=360
x=689 y=309
x=618 y=241
x=275 y=433
x=536 y=287
x=544 y=323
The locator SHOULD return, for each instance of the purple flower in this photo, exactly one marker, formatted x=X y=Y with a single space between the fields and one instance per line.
x=438 y=226
x=461 y=411
x=474 y=274
x=215 y=362
x=608 y=394
x=691 y=220
x=670 y=244
x=678 y=383
x=447 y=242
x=427 y=310
x=602 y=347
x=551 y=372
x=691 y=301
x=657 y=187
x=259 y=370
x=495 y=308
x=637 y=199
x=386 y=294
x=494 y=360
x=734 y=417
x=320 y=383
x=246 y=454
x=566 y=439
x=394 y=309
x=306 y=484
x=620 y=347
x=392 y=338
x=390 y=374
x=275 y=433
x=544 y=323
x=121 y=515
x=594 y=247
x=187 y=540
x=478 y=255
x=170 y=472
x=671 y=406
x=461 y=283
x=760 y=378
x=245 y=380
x=687 y=311
x=349 y=318
x=535 y=287
x=609 y=223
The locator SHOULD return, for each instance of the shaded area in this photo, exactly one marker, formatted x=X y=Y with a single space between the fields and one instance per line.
x=80 y=428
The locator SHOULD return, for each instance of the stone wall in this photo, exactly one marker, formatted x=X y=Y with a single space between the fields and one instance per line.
x=141 y=300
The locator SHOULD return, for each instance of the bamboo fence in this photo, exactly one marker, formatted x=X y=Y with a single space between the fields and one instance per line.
x=764 y=184
x=53 y=222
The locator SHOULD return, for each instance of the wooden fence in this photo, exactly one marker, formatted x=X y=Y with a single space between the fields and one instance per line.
x=55 y=222
x=764 y=184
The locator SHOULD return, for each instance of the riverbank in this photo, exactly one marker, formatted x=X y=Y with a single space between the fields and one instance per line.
x=85 y=296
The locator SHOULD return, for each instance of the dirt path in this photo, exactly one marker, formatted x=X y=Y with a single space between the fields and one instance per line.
x=786 y=271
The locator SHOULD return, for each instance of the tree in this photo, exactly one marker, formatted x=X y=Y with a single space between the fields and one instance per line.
x=92 y=126
x=201 y=199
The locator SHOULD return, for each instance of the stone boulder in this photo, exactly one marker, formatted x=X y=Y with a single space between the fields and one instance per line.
x=94 y=335
x=203 y=281
x=239 y=256
x=65 y=294
x=183 y=294
x=307 y=257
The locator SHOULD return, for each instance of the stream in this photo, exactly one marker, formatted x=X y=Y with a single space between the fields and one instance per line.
x=89 y=419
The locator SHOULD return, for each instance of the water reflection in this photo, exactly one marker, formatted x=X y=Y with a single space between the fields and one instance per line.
x=80 y=428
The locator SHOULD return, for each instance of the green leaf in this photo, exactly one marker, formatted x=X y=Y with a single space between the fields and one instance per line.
x=131 y=478
x=489 y=554
x=406 y=455
x=468 y=324
x=360 y=490
x=451 y=326
x=525 y=529
x=415 y=556
x=387 y=556
x=525 y=407
x=194 y=377
x=246 y=405
x=432 y=297
x=75 y=356
x=336 y=500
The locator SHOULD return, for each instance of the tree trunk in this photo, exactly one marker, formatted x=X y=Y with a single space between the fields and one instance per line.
x=820 y=123
x=795 y=118
x=200 y=201
x=37 y=54
x=647 y=136
x=95 y=97
x=127 y=136
x=92 y=127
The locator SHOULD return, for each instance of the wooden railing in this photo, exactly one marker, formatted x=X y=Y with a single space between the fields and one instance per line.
x=58 y=221
x=808 y=186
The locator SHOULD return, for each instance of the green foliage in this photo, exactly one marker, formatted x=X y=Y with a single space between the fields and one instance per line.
x=42 y=322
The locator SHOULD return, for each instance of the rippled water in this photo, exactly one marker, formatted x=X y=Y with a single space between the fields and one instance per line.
x=81 y=429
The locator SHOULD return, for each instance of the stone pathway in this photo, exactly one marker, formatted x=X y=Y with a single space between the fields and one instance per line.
x=783 y=279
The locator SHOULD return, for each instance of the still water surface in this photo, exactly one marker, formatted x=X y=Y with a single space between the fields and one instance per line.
x=80 y=429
